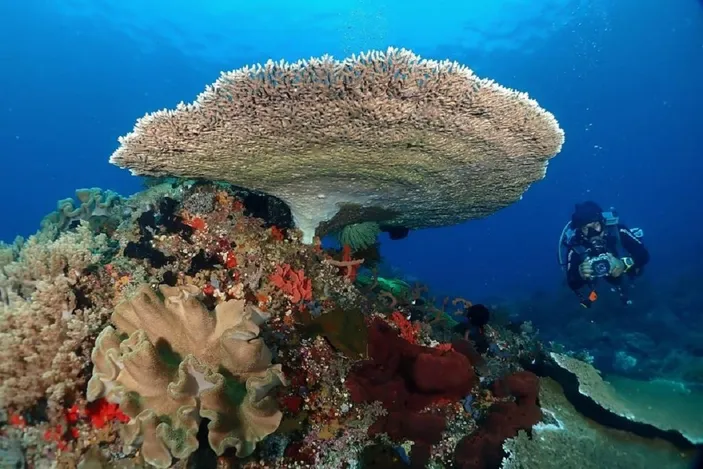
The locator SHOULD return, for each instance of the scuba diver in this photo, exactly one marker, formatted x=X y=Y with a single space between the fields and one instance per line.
x=595 y=245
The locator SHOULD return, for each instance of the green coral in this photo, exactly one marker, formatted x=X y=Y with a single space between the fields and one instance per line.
x=359 y=236
x=395 y=286
x=95 y=206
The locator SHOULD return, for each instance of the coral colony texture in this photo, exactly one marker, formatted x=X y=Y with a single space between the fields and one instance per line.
x=201 y=324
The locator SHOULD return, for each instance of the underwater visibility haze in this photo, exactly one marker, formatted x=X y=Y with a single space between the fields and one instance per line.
x=351 y=234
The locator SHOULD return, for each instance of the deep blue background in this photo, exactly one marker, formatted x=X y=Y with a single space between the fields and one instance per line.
x=625 y=80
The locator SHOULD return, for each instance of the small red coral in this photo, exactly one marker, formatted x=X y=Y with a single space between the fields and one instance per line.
x=293 y=283
x=196 y=223
x=230 y=260
x=292 y=404
x=17 y=420
x=223 y=244
x=277 y=233
x=73 y=413
x=102 y=412
x=408 y=330
x=56 y=434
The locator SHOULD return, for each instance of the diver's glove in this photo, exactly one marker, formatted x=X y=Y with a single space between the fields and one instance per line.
x=586 y=270
x=617 y=266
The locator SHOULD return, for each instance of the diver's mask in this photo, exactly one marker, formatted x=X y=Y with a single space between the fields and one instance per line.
x=592 y=232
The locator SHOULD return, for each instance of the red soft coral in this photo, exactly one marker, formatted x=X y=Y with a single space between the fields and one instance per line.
x=484 y=448
x=406 y=378
x=403 y=375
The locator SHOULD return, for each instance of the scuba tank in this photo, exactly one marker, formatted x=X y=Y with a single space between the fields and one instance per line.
x=567 y=234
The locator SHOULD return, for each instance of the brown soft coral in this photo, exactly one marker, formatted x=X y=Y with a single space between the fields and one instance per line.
x=181 y=363
x=43 y=326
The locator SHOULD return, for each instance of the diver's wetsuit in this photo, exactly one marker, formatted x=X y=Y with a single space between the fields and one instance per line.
x=628 y=241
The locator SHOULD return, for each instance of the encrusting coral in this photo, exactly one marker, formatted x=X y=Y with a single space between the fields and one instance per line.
x=631 y=399
x=180 y=363
x=385 y=136
x=588 y=444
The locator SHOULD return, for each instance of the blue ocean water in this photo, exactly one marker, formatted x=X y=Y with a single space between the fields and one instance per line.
x=624 y=79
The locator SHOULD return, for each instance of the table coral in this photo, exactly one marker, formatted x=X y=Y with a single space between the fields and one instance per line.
x=180 y=363
x=412 y=132
x=680 y=419
x=569 y=440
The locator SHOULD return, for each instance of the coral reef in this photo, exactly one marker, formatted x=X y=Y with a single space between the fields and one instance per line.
x=187 y=331
x=411 y=132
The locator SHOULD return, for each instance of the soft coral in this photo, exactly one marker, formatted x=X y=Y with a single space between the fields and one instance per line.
x=406 y=378
x=484 y=448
